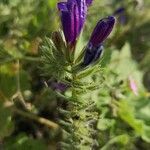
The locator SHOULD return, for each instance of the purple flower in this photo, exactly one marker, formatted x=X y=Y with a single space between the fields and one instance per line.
x=121 y=14
x=133 y=86
x=102 y=30
x=94 y=48
x=119 y=11
x=58 y=86
x=73 y=15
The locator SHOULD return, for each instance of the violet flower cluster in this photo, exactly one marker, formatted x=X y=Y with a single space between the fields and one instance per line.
x=73 y=16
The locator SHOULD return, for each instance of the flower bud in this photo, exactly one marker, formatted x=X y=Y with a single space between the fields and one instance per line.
x=102 y=30
x=94 y=48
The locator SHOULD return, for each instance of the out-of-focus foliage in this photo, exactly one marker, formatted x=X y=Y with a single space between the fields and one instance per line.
x=120 y=108
x=124 y=115
x=24 y=142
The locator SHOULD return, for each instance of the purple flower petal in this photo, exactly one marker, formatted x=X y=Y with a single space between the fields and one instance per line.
x=82 y=12
x=119 y=11
x=58 y=86
x=69 y=19
x=73 y=15
x=133 y=86
x=89 y=2
x=76 y=23
x=62 y=6
x=102 y=30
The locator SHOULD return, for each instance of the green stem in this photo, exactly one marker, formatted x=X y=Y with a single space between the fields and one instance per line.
x=18 y=93
x=26 y=58
x=38 y=119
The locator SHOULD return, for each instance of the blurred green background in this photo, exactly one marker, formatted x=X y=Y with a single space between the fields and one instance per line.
x=24 y=24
